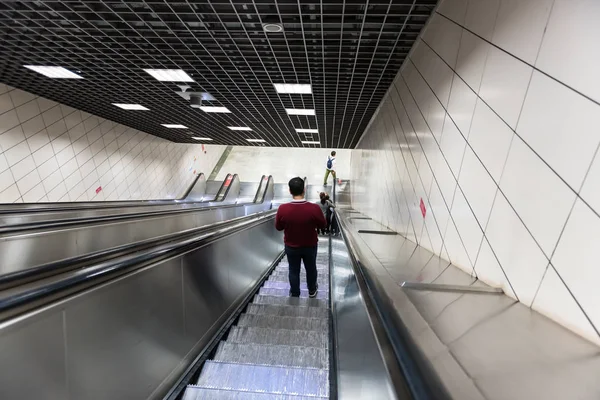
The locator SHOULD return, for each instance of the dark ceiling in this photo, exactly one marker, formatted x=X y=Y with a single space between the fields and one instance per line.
x=349 y=51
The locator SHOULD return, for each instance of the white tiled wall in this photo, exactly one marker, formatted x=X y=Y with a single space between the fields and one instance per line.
x=251 y=162
x=50 y=152
x=494 y=122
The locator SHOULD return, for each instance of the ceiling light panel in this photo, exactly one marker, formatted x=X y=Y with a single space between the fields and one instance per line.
x=239 y=128
x=206 y=139
x=256 y=140
x=54 y=72
x=211 y=109
x=131 y=106
x=170 y=75
x=299 y=111
x=174 y=126
x=295 y=88
x=300 y=130
x=310 y=142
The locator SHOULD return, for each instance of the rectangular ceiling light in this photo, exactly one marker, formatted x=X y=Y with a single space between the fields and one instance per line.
x=54 y=72
x=170 y=75
x=240 y=128
x=175 y=126
x=256 y=140
x=310 y=142
x=202 y=138
x=211 y=109
x=307 y=130
x=297 y=88
x=130 y=106
x=299 y=111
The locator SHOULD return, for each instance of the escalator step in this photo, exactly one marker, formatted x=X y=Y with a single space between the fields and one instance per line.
x=283 y=356
x=293 y=323
x=285 y=285
x=287 y=311
x=321 y=280
x=199 y=393
x=285 y=267
x=286 y=292
x=286 y=337
x=265 y=379
x=284 y=274
x=290 y=301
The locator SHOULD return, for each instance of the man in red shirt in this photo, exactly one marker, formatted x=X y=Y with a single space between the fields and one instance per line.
x=299 y=221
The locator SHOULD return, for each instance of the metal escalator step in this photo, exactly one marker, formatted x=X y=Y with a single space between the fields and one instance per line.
x=286 y=337
x=282 y=356
x=321 y=280
x=284 y=273
x=285 y=267
x=193 y=392
x=275 y=322
x=287 y=311
x=286 y=292
x=286 y=285
x=290 y=301
x=265 y=379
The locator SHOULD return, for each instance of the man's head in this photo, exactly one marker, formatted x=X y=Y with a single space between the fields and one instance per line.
x=296 y=186
x=333 y=154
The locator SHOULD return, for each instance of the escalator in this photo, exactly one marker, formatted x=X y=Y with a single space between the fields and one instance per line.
x=279 y=346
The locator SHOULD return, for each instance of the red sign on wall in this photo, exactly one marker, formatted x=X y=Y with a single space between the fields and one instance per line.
x=228 y=181
x=98 y=189
x=423 y=209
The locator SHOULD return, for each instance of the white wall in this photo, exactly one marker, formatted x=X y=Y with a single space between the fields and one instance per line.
x=51 y=152
x=494 y=122
x=250 y=163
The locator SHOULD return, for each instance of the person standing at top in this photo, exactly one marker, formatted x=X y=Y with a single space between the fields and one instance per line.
x=330 y=168
x=299 y=221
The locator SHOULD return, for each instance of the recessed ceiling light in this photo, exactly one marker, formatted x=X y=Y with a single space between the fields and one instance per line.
x=256 y=140
x=130 y=106
x=310 y=142
x=170 y=75
x=240 y=128
x=212 y=109
x=202 y=138
x=293 y=88
x=299 y=111
x=54 y=72
x=273 y=28
x=307 y=130
x=175 y=126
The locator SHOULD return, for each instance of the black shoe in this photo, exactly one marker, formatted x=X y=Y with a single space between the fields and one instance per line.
x=291 y=295
x=313 y=294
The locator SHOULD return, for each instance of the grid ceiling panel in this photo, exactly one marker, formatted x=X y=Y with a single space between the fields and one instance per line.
x=350 y=51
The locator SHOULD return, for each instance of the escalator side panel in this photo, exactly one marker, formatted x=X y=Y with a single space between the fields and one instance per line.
x=132 y=337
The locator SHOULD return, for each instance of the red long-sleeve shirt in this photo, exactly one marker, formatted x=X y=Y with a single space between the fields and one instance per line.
x=299 y=221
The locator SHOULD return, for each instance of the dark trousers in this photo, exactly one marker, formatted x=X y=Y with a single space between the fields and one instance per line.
x=308 y=255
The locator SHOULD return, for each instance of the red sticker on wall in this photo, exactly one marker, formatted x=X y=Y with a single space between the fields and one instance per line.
x=98 y=189
x=228 y=181
x=423 y=209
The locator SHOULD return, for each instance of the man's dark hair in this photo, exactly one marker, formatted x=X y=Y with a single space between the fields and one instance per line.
x=296 y=186
x=333 y=153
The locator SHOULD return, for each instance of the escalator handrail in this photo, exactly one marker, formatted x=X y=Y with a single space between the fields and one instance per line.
x=91 y=205
x=113 y=268
x=71 y=222
x=421 y=381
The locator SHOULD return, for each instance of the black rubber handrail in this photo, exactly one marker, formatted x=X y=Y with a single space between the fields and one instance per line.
x=91 y=205
x=113 y=268
x=423 y=383
x=71 y=222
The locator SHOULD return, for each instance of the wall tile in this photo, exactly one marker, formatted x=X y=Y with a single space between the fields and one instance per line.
x=455 y=248
x=576 y=258
x=554 y=300
x=573 y=26
x=466 y=225
x=489 y=271
x=11 y=138
x=517 y=252
x=540 y=198
x=57 y=193
x=35 y=194
x=45 y=104
x=453 y=145
x=461 y=105
x=520 y=26
x=20 y=97
x=504 y=85
x=5 y=103
x=490 y=139
x=43 y=154
x=52 y=181
x=454 y=10
x=590 y=191
x=17 y=153
x=10 y=194
x=443 y=36
x=33 y=126
x=481 y=17
x=477 y=186
x=48 y=167
x=38 y=141
x=6 y=180
x=3 y=163
x=52 y=115
x=29 y=181
x=23 y=167
x=28 y=111
x=561 y=126
x=57 y=129
x=8 y=120
x=65 y=155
